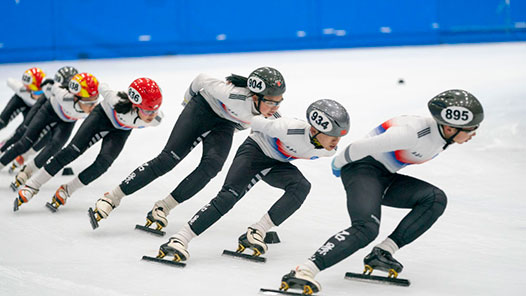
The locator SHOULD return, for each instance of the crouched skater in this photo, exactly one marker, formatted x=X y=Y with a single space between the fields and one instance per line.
x=266 y=155
x=368 y=169
x=112 y=122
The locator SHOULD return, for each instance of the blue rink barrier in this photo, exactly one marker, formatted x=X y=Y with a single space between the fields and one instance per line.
x=34 y=30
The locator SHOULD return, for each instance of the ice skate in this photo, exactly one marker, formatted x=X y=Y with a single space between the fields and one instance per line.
x=21 y=178
x=59 y=199
x=158 y=216
x=382 y=260
x=103 y=208
x=301 y=279
x=18 y=162
x=252 y=239
x=24 y=195
x=175 y=248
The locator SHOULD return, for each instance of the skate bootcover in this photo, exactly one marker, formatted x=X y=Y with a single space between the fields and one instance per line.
x=294 y=280
x=24 y=195
x=21 y=178
x=59 y=199
x=255 y=243
x=381 y=260
x=18 y=162
x=173 y=248
x=150 y=219
x=103 y=208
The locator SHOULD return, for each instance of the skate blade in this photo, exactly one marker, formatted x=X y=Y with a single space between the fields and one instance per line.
x=279 y=292
x=164 y=261
x=14 y=186
x=377 y=279
x=150 y=230
x=51 y=207
x=12 y=169
x=245 y=256
x=16 y=205
x=92 y=219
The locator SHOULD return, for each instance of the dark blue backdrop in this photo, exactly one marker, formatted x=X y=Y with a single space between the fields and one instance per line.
x=51 y=29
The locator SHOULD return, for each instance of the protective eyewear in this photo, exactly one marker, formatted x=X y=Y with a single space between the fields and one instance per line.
x=147 y=112
x=469 y=130
x=271 y=103
x=37 y=92
x=88 y=103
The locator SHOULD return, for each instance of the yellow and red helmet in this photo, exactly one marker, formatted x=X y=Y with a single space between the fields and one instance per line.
x=33 y=78
x=84 y=85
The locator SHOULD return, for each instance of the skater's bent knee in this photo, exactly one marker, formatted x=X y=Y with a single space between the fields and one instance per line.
x=104 y=162
x=367 y=231
x=300 y=190
x=163 y=163
x=225 y=200
x=304 y=186
x=211 y=166
x=440 y=202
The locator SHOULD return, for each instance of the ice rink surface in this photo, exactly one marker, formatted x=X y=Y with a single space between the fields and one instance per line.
x=476 y=248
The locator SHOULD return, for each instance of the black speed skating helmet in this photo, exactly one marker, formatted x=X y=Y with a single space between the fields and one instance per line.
x=329 y=117
x=456 y=108
x=64 y=75
x=266 y=81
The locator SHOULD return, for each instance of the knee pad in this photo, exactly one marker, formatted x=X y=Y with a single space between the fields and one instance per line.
x=103 y=162
x=365 y=231
x=225 y=200
x=67 y=155
x=300 y=190
x=439 y=202
x=163 y=163
x=211 y=166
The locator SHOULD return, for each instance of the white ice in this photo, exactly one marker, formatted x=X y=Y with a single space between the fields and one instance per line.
x=476 y=248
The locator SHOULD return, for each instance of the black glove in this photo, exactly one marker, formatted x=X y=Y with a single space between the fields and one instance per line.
x=47 y=81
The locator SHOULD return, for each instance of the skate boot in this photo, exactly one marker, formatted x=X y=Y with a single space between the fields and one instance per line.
x=176 y=248
x=24 y=195
x=157 y=215
x=103 y=208
x=59 y=199
x=252 y=239
x=21 y=178
x=18 y=162
x=301 y=279
x=382 y=260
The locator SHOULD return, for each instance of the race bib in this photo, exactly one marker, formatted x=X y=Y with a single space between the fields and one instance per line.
x=134 y=95
x=256 y=85
x=457 y=115
x=320 y=121
x=74 y=86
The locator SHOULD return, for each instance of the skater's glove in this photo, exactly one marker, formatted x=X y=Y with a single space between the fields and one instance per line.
x=335 y=170
x=47 y=81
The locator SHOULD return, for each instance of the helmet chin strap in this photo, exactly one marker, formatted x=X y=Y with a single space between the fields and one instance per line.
x=449 y=140
x=258 y=104
x=76 y=104
x=314 y=141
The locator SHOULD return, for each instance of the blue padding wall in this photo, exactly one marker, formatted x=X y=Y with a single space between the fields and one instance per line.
x=32 y=30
